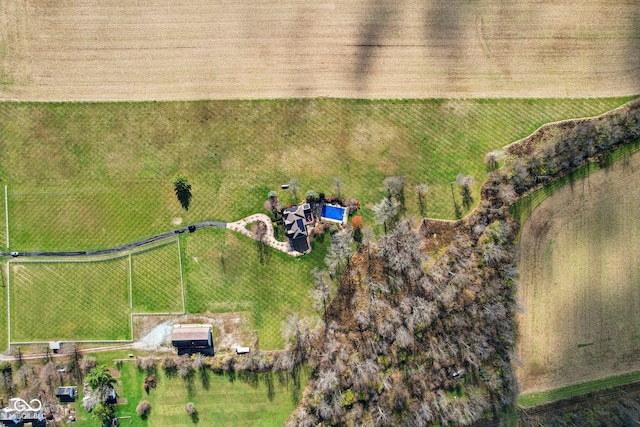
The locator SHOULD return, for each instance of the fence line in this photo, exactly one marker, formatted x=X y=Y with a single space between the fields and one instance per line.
x=75 y=341
x=130 y=285
x=98 y=258
x=6 y=211
x=184 y=309
x=8 y=304
x=127 y=341
x=132 y=315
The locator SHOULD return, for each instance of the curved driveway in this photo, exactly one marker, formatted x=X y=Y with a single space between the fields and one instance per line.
x=238 y=226
x=111 y=251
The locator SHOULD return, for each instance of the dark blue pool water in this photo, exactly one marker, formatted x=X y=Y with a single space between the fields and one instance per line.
x=335 y=213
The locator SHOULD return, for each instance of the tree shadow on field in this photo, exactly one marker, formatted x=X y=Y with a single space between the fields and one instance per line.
x=444 y=25
x=292 y=381
x=268 y=382
x=371 y=38
x=596 y=333
x=250 y=378
x=205 y=378
x=633 y=51
x=189 y=384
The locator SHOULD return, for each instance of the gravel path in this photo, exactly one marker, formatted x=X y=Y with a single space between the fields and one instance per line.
x=158 y=339
x=269 y=239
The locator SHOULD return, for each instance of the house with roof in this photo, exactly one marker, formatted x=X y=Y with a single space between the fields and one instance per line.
x=67 y=393
x=191 y=339
x=296 y=219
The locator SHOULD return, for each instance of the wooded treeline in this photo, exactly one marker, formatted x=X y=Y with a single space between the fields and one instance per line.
x=413 y=340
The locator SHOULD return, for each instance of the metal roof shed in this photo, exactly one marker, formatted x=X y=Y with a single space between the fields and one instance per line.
x=189 y=339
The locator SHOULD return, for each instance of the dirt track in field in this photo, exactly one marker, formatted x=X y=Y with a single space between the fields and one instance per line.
x=579 y=275
x=200 y=49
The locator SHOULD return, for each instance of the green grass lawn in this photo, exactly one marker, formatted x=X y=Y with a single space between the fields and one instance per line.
x=100 y=173
x=3 y=225
x=85 y=215
x=262 y=400
x=223 y=273
x=156 y=280
x=221 y=401
x=70 y=301
x=4 y=337
x=534 y=399
x=89 y=300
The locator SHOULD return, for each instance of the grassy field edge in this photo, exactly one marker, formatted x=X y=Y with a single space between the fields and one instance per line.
x=525 y=206
x=530 y=400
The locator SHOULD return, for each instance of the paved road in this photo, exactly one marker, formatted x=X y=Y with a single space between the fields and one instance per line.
x=127 y=247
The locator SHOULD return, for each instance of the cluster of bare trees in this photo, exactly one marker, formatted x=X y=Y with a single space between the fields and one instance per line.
x=40 y=380
x=403 y=344
x=559 y=148
x=406 y=345
x=390 y=209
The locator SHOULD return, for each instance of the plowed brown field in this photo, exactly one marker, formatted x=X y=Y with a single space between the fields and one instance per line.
x=202 y=49
x=579 y=282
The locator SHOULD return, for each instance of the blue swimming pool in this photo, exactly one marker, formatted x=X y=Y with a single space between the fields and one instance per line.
x=333 y=213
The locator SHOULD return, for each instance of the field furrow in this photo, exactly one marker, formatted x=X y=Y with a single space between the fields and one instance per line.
x=579 y=274
x=149 y=50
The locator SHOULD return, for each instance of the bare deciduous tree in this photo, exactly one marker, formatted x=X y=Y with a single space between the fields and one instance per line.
x=401 y=252
x=146 y=363
x=296 y=333
x=169 y=364
x=87 y=363
x=49 y=376
x=337 y=259
x=293 y=189
x=143 y=409
x=395 y=189
x=386 y=213
x=199 y=362
x=304 y=419
x=185 y=368
x=321 y=292
x=421 y=191
x=492 y=159
x=337 y=185
x=465 y=182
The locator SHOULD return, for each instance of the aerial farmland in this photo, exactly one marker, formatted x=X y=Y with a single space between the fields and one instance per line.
x=485 y=154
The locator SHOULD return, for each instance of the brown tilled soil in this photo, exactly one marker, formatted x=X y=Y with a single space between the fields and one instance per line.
x=579 y=273
x=198 y=49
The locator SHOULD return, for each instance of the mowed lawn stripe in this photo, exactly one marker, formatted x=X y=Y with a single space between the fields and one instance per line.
x=221 y=401
x=156 y=280
x=4 y=337
x=223 y=273
x=70 y=301
x=101 y=173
